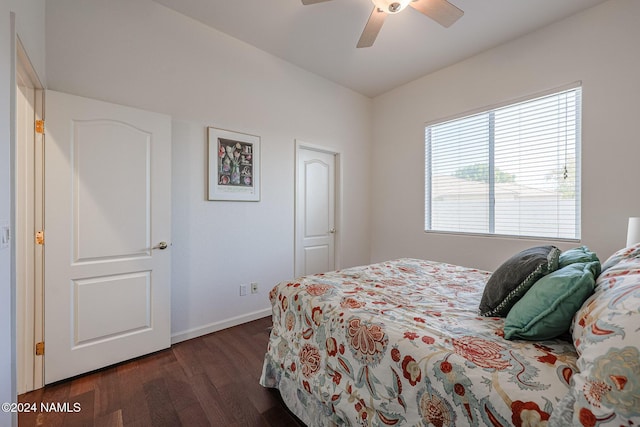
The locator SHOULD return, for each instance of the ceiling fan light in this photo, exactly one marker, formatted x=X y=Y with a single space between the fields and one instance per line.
x=391 y=6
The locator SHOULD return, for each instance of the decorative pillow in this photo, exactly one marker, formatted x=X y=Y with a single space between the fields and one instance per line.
x=546 y=310
x=514 y=278
x=620 y=255
x=575 y=255
x=606 y=333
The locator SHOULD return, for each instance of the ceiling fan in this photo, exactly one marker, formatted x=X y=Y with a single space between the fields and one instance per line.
x=441 y=11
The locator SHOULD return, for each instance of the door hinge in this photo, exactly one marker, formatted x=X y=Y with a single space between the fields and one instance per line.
x=40 y=348
x=40 y=126
x=40 y=238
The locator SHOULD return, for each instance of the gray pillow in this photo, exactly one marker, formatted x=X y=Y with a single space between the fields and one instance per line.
x=515 y=277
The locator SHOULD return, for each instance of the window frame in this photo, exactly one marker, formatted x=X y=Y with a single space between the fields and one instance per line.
x=428 y=205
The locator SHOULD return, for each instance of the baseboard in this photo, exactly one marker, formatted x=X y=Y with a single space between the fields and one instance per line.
x=218 y=326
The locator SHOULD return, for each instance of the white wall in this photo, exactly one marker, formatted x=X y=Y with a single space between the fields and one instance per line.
x=138 y=53
x=29 y=26
x=598 y=47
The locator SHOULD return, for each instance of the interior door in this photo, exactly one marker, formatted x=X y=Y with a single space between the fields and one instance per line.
x=107 y=218
x=315 y=211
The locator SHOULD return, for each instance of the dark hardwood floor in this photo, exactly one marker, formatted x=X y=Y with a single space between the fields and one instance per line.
x=207 y=381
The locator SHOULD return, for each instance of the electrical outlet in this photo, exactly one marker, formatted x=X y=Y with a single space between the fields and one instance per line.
x=254 y=287
x=243 y=290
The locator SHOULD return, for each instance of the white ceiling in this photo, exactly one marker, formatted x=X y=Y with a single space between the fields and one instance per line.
x=321 y=38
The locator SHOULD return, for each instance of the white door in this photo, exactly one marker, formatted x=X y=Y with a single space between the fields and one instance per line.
x=315 y=211
x=107 y=210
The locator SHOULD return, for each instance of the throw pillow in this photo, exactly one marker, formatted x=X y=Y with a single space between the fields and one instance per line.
x=575 y=255
x=606 y=391
x=621 y=255
x=514 y=278
x=546 y=310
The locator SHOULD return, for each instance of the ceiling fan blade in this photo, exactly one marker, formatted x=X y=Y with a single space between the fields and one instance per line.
x=441 y=11
x=306 y=2
x=372 y=28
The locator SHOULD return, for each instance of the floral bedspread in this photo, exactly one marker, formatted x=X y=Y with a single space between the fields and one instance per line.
x=401 y=343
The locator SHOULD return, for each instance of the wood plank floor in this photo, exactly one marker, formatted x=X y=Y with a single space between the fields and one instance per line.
x=207 y=381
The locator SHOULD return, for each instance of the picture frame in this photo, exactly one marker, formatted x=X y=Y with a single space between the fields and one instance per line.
x=234 y=165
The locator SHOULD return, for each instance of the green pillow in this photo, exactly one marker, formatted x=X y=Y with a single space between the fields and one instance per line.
x=546 y=310
x=515 y=277
x=577 y=255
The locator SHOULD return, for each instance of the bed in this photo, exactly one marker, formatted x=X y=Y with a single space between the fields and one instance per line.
x=402 y=343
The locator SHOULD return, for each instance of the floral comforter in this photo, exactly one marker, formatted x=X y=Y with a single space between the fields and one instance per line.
x=401 y=343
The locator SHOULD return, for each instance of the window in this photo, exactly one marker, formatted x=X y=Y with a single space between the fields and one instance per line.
x=512 y=170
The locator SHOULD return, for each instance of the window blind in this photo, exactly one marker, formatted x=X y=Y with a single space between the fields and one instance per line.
x=512 y=170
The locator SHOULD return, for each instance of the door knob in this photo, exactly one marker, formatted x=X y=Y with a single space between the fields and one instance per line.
x=333 y=230
x=161 y=246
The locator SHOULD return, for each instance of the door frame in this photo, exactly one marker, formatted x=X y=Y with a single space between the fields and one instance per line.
x=29 y=261
x=337 y=252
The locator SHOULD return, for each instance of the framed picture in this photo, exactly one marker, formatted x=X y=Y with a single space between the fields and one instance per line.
x=234 y=166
